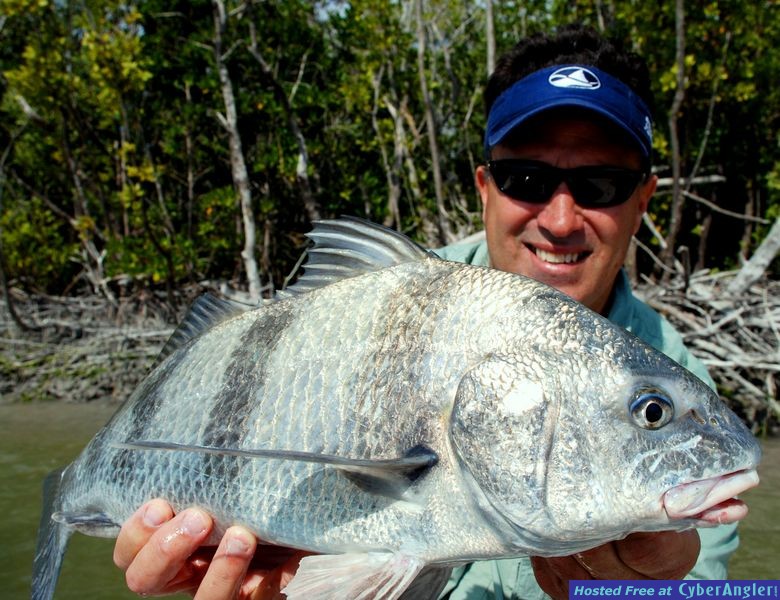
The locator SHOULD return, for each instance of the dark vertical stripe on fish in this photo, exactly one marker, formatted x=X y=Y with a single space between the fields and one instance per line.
x=244 y=377
x=143 y=414
x=399 y=326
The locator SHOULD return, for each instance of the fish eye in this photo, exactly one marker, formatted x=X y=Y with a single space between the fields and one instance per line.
x=651 y=409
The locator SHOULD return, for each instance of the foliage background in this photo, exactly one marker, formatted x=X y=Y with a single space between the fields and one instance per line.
x=114 y=164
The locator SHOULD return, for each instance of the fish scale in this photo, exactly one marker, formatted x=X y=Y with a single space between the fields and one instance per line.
x=400 y=414
x=366 y=439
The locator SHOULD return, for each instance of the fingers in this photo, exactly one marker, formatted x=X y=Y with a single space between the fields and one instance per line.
x=290 y=568
x=162 y=564
x=235 y=572
x=553 y=575
x=268 y=584
x=229 y=566
x=605 y=563
x=663 y=555
x=138 y=529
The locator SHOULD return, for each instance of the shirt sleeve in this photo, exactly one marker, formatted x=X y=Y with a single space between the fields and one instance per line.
x=717 y=546
x=507 y=579
x=472 y=253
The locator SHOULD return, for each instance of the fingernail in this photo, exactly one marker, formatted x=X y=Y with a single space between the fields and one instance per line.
x=238 y=544
x=194 y=523
x=155 y=515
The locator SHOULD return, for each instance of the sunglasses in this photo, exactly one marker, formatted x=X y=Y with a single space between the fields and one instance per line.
x=592 y=187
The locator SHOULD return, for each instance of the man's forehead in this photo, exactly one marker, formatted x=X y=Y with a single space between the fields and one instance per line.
x=547 y=128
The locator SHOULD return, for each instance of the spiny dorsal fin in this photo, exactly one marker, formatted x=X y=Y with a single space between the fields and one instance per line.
x=351 y=246
x=205 y=312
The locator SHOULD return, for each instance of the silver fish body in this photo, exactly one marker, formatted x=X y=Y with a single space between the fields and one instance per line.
x=394 y=412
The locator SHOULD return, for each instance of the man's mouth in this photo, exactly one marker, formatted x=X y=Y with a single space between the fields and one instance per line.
x=558 y=258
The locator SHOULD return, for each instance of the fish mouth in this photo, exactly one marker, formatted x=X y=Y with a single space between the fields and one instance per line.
x=711 y=501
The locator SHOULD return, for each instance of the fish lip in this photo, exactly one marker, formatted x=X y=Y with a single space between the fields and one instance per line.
x=711 y=501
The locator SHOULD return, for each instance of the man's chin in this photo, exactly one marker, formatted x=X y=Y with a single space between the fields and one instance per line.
x=594 y=298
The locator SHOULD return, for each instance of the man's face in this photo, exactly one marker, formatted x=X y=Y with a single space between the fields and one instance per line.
x=577 y=250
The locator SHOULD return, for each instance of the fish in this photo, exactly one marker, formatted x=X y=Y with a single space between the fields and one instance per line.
x=399 y=414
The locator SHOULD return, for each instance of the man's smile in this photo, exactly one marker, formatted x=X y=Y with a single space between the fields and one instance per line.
x=557 y=257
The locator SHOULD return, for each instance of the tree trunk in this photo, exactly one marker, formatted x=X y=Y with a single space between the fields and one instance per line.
x=747 y=233
x=490 y=37
x=189 y=150
x=393 y=218
x=237 y=164
x=442 y=220
x=704 y=235
x=679 y=95
x=310 y=204
x=92 y=258
x=3 y=280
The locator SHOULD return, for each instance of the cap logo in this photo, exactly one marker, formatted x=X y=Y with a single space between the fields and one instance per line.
x=649 y=129
x=575 y=77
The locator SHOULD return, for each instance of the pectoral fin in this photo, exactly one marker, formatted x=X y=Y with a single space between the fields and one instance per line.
x=388 y=477
x=392 y=479
x=373 y=575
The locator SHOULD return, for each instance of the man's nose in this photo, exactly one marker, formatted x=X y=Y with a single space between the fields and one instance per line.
x=560 y=215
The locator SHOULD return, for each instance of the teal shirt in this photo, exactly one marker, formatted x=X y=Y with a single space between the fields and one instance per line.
x=513 y=578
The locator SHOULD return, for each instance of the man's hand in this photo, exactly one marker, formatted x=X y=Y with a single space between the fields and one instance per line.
x=162 y=554
x=662 y=555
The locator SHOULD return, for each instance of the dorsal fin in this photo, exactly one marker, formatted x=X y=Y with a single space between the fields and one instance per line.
x=205 y=312
x=351 y=246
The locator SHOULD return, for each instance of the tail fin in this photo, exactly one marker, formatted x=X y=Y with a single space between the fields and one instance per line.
x=52 y=541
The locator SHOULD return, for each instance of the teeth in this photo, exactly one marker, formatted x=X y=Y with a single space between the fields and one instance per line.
x=551 y=257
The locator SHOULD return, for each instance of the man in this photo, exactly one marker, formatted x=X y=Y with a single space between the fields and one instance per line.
x=568 y=147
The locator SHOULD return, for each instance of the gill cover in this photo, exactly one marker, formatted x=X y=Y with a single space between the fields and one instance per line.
x=502 y=426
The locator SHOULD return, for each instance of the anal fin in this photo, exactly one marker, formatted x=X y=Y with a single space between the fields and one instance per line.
x=366 y=576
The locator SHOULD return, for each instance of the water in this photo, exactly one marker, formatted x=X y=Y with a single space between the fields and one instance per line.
x=758 y=556
x=34 y=439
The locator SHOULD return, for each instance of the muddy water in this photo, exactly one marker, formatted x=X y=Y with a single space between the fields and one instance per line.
x=758 y=556
x=34 y=439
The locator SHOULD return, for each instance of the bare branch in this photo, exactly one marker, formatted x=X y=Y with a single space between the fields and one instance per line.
x=664 y=182
x=753 y=269
x=715 y=208
x=299 y=78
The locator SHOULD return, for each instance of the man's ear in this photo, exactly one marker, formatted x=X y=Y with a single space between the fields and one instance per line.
x=645 y=191
x=482 y=182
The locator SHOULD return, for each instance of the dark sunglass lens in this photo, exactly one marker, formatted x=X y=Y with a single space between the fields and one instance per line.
x=532 y=181
x=608 y=189
x=523 y=181
x=591 y=191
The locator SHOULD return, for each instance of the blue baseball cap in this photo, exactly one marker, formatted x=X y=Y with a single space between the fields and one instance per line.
x=574 y=86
